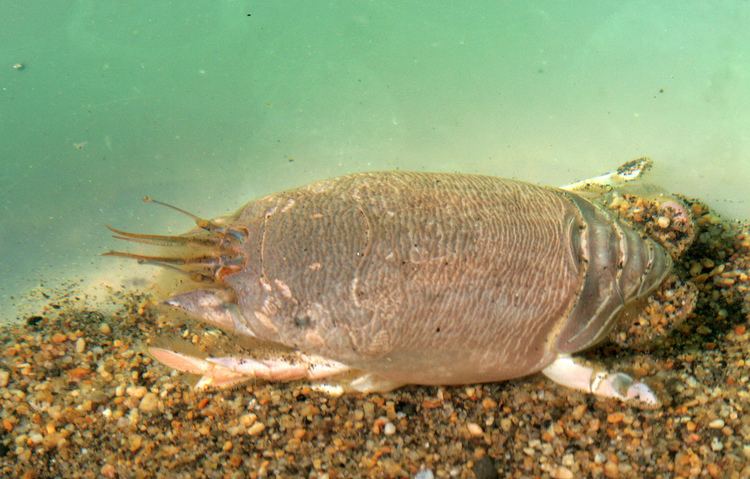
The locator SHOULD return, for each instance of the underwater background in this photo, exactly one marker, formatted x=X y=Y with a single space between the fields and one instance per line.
x=210 y=104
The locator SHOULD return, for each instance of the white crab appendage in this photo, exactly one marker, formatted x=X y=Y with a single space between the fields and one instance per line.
x=625 y=173
x=330 y=377
x=228 y=371
x=574 y=373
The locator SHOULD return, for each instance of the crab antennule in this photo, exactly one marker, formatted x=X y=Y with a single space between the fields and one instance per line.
x=207 y=260
x=198 y=220
x=197 y=276
x=202 y=223
x=208 y=225
x=163 y=240
x=204 y=269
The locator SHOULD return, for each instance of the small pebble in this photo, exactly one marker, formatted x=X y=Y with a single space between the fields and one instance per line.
x=105 y=329
x=133 y=417
x=389 y=429
x=80 y=345
x=256 y=429
x=696 y=269
x=59 y=338
x=135 y=441
x=611 y=471
x=136 y=391
x=615 y=418
x=663 y=222
x=108 y=471
x=713 y=470
x=149 y=403
x=474 y=429
x=424 y=474
x=716 y=424
x=506 y=424
x=489 y=404
x=485 y=468
x=248 y=420
x=579 y=411
x=716 y=444
x=4 y=378
x=562 y=473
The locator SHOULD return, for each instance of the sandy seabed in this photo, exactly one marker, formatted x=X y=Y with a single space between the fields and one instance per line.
x=81 y=398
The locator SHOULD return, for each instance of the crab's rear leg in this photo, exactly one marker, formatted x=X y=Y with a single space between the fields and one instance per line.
x=228 y=371
x=625 y=173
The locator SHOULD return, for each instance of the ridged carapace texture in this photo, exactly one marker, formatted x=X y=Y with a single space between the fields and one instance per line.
x=436 y=278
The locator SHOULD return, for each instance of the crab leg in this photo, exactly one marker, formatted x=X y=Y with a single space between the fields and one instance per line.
x=372 y=383
x=228 y=371
x=574 y=373
x=211 y=374
x=627 y=172
x=365 y=383
x=278 y=369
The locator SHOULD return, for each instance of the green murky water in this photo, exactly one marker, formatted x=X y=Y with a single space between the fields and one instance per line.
x=208 y=104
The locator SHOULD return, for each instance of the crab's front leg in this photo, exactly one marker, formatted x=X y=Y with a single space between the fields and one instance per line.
x=575 y=373
x=228 y=371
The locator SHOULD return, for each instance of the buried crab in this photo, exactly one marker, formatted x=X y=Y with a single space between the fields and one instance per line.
x=371 y=281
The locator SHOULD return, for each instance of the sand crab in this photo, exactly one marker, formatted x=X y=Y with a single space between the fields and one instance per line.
x=376 y=280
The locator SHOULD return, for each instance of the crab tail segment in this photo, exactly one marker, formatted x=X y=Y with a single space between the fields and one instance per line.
x=207 y=254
